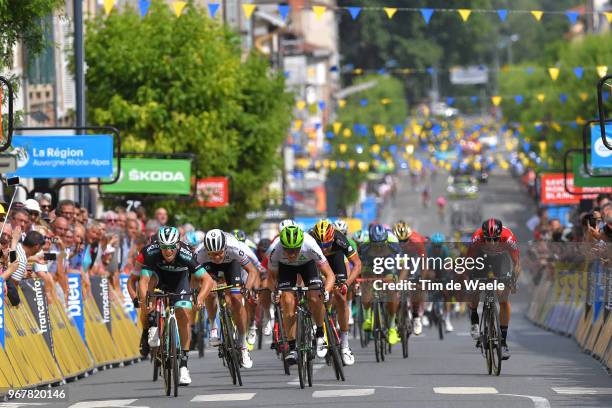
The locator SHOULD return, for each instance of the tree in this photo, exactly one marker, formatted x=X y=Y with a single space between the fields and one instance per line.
x=20 y=21
x=179 y=85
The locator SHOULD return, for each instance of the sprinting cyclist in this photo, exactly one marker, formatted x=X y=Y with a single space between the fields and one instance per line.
x=437 y=253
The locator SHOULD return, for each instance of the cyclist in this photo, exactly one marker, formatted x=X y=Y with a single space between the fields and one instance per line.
x=264 y=298
x=167 y=264
x=438 y=252
x=495 y=241
x=361 y=237
x=380 y=245
x=441 y=203
x=336 y=247
x=342 y=226
x=413 y=244
x=222 y=253
x=241 y=236
x=292 y=254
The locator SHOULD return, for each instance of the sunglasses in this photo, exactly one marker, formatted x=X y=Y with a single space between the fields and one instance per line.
x=167 y=246
x=215 y=254
x=112 y=220
x=491 y=240
x=45 y=207
x=326 y=245
x=293 y=251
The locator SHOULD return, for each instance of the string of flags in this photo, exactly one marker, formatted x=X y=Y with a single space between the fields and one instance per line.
x=427 y=13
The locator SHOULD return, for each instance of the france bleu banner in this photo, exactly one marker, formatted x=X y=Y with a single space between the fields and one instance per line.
x=601 y=156
x=2 y=312
x=63 y=156
x=75 y=303
x=128 y=305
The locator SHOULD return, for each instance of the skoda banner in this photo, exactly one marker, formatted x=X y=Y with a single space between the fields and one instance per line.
x=34 y=293
x=63 y=156
x=601 y=156
x=100 y=289
x=128 y=305
x=152 y=176
x=2 y=312
x=75 y=303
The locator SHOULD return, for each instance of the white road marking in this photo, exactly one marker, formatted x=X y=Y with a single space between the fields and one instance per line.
x=244 y=396
x=354 y=392
x=21 y=404
x=106 y=404
x=391 y=387
x=582 y=391
x=465 y=390
x=315 y=368
x=538 y=402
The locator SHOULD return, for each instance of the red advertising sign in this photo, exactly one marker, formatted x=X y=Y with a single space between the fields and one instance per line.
x=213 y=192
x=553 y=190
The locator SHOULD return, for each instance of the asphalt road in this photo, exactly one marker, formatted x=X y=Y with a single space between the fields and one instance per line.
x=546 y=370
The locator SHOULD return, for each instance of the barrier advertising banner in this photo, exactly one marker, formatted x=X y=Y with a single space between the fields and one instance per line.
x=213 y=192
x=128 y=305
x=2 y=312
x=100 y=290
x=34 y=293
x=45 y=157
x=75 y=303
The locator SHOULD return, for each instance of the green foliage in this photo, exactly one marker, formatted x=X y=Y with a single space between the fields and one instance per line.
x=19 y=21
x=180 y=85
x=556 y=117
x=375 y=112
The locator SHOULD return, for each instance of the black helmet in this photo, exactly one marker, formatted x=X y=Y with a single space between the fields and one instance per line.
x=492 y=228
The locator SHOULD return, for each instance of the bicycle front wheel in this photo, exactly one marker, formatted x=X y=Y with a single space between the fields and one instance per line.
x=173 y=339
x=334 y=349
x=496 y=336
x=302 y=360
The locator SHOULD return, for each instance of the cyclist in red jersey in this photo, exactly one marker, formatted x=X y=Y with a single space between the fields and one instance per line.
x=493 y=239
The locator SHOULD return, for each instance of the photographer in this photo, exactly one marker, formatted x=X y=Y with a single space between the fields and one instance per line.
x=31 y=260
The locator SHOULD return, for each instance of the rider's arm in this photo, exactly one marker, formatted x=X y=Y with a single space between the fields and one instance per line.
x=355 y=270
x=253 y=274
x=145 y=276
x=328 y=275
x=351 y=254
x=206 y=284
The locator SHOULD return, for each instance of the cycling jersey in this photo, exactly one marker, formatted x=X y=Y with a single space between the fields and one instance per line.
x=335 y=254
x=496 y=252
x=415 y=245
x=309 y=251
x=372 y=250
x=236 y=256
x=437 y=255
x=171 y=276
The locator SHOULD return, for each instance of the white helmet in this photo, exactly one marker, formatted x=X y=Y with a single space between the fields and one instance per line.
x=341 y=226
x=286 y=223
x=215 y=240
x=168 y=236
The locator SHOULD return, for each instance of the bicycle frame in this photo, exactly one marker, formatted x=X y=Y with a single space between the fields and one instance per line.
x=228 y=351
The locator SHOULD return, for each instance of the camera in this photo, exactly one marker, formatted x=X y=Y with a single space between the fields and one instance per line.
x=50 y=256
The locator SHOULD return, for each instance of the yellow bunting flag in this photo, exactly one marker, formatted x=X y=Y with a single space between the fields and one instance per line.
x=319 y=10
x=317 y=164
x=178 y=7
x=333 y=165
x=108 y=6
x=358 y=71
x=375 y=148
x=554 y=73
x=248 y=9
x=584 y=96
x=602 y=70
x=543 y=147
x=341 y=103
x=351 y=164
x=580 y=121
x=385 y=101
x=608 y=15
x=298 y=124
x=300 y=105
x=337 y=126
x=465 y=14
x=556 y=126
x=347 y=132
x=417 y=129
x=342 y=147
x=326 y=163
x=541 y=97
x=496 y=100
x=537 y=14
x=390 y=11
x=363 y=166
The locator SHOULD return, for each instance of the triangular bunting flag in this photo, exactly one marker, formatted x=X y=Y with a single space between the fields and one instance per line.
x=563 y=98
x=298 y=124
x=426 y=13
x=283 y=10
x=537 y=14
x=385 y=101
x=540 y=97
x=322 y=105
x=450 y=100
x=608 y=15
x=143 y=6
x=300 y=105
x=529 y=70
x=358 y=71
x=554 y=73
x=341 y=103
x=337 y=126
x=108 y=6
x=319 y=10
x=390 y=11
x=286 y=74
x=212 y=9
x=474 y=99
x=578 y=71
x=363 y=102
x=502 y=14
x=354 y=12
x=178 y=7
x=248 y=10
x=381 y=71
x=465 y=14
x=496 y=100
x=572 y=16
x=602 y=70
x=518 y=99
x=584 y=96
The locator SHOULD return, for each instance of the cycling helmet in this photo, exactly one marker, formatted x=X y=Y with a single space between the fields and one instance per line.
x=191 y=238
x=240 y=235
x=361 y=236
x=215 y=240
x=323 y=231
x=168 y=237
x=291 y=237
x=437 y=238
x=378 y=233
x=263 y=244
x=341 y=226
x=402 y=231
x=285 y=223
x=492 y=228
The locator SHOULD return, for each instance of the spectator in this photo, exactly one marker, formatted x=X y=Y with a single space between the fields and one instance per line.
x=161 y=215
x=555 y=230
x=142 y=216
x=152 y=228
x=66 y=209
x=77 y=252
x=33 y=209
x=538 y=219
x=112 y=221
x=93 y=234
x=121 y=218
x=84 y=216
x=44 y=201
x=30 y=251
x=127 y=242
x=20 y=220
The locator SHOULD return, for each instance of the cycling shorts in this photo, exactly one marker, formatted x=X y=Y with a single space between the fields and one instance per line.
x=287 y=274
x=232 y=271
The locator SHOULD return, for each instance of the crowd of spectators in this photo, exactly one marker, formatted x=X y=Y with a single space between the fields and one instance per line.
x=51 y=240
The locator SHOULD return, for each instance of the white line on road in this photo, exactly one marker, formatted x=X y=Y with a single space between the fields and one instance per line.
x=106 y=404
x=465 y=390
x=538 y=402
x=354 y=392
x=21 y=404
x=315 y=368
x=582 y=391
x=245 y=396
